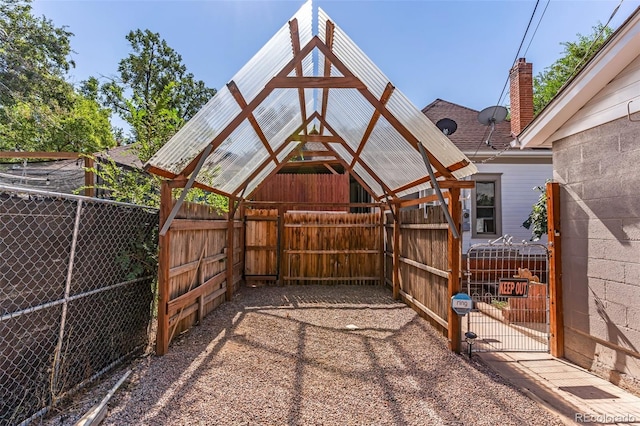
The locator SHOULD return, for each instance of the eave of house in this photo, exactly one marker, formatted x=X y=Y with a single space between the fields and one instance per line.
x=620 y=50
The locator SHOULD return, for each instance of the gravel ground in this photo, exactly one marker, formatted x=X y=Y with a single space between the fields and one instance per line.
x=311 y=355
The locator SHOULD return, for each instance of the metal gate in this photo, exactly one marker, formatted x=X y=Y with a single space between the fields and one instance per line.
x=508 y=283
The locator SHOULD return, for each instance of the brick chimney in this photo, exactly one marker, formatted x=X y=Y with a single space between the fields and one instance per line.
x=521 y=94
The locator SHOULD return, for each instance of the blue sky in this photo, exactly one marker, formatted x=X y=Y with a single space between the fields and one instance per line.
x=459 y=51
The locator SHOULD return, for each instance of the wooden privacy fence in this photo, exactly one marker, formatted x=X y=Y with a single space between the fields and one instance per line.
x=313 y=247
x=421 y=250
x=194 y=275
x=332 y=248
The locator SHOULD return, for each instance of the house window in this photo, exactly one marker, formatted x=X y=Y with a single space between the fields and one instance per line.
x=486 y=203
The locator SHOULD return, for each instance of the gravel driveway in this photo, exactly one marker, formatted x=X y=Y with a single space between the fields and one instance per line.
x=311 y=355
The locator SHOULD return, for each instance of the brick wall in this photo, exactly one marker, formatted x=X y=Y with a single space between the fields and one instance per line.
x=599 y=172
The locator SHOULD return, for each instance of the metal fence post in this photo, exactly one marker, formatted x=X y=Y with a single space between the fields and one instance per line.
x=65 y=304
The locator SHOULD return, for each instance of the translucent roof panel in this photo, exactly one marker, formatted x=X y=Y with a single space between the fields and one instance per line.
x=279 y=114
x=349 y=113
x=395 y=161
x=427 y=132
x=197 y=133
x=354 y=58
x=239 y=155
x=274 y=55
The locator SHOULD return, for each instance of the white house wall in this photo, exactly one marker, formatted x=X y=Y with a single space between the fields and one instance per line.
x=609 y=104
x=518 y=196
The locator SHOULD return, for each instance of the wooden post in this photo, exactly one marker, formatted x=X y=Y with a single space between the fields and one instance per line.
x=230 y=250
x=162 y=338
x=383 y=258
x=454 y=253
x=396 y=253
x=89 y=177
x=556 y=315
x=280 y=255
x=243 y=237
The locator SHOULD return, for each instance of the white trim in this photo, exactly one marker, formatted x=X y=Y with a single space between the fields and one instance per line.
x=614 y=57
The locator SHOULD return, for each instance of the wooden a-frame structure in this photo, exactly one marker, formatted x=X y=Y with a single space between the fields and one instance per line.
x=255 y=125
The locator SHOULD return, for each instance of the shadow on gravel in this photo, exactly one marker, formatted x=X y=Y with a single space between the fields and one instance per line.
x=334 y=355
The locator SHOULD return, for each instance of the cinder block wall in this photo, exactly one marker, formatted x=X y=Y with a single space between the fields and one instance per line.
x=599 y=172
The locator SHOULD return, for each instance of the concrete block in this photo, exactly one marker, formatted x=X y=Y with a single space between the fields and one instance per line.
x=593 y=148
x=606 y=269
x=631 y=227
x=622 y=251
x=633 y=317
x=632 y=274
x=623 y=294
x=584 y=171
x=617 y=313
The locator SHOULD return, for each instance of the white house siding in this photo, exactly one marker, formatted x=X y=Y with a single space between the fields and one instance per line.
x=518 y=196
x=599 y=173
x=615 y=100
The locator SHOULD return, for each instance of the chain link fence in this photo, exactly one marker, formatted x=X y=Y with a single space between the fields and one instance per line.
x=77 y=280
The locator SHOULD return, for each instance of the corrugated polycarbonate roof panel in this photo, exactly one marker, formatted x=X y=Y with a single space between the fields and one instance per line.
x=279 y=113
x=218 y=113
x=349 y=113
x=427 y=132
x=354 y=58
x=274 y=55
x=197 y=133
x=234 y=160
x=394 y=160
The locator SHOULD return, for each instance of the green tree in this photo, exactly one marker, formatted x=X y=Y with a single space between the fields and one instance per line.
x=39 y=109
x=574 y=56
x=154 y=93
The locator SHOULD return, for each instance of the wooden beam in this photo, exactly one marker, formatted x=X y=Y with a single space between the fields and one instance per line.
x=281 y=258
x=295 y=44
x=556 y=314
x=164 y=261
x=313 y=138
x=372 y=123
x=181 y=181
x=230 y=257
x=382 y=259
x=454 y=252
x=329 y=32
x=331 y=169
x=396 y=254
x=350 y=82
x=421 y=200
x=426 y=178
x=89 y=177
x=252 y=119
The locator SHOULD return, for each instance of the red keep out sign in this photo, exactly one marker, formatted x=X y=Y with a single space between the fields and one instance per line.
x=513 y=287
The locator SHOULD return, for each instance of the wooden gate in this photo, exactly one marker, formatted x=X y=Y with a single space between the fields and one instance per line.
x=261 y=245
x=332 y=248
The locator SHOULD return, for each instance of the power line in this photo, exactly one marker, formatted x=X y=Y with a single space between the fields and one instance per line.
x=524 y=36
x=536 y=30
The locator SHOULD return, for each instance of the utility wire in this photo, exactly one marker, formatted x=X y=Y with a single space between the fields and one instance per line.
x=536 y=30
x=513 y=62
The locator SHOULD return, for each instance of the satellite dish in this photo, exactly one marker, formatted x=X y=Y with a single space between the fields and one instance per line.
x=447 y=126
x=489 y=117
x=492 y=115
